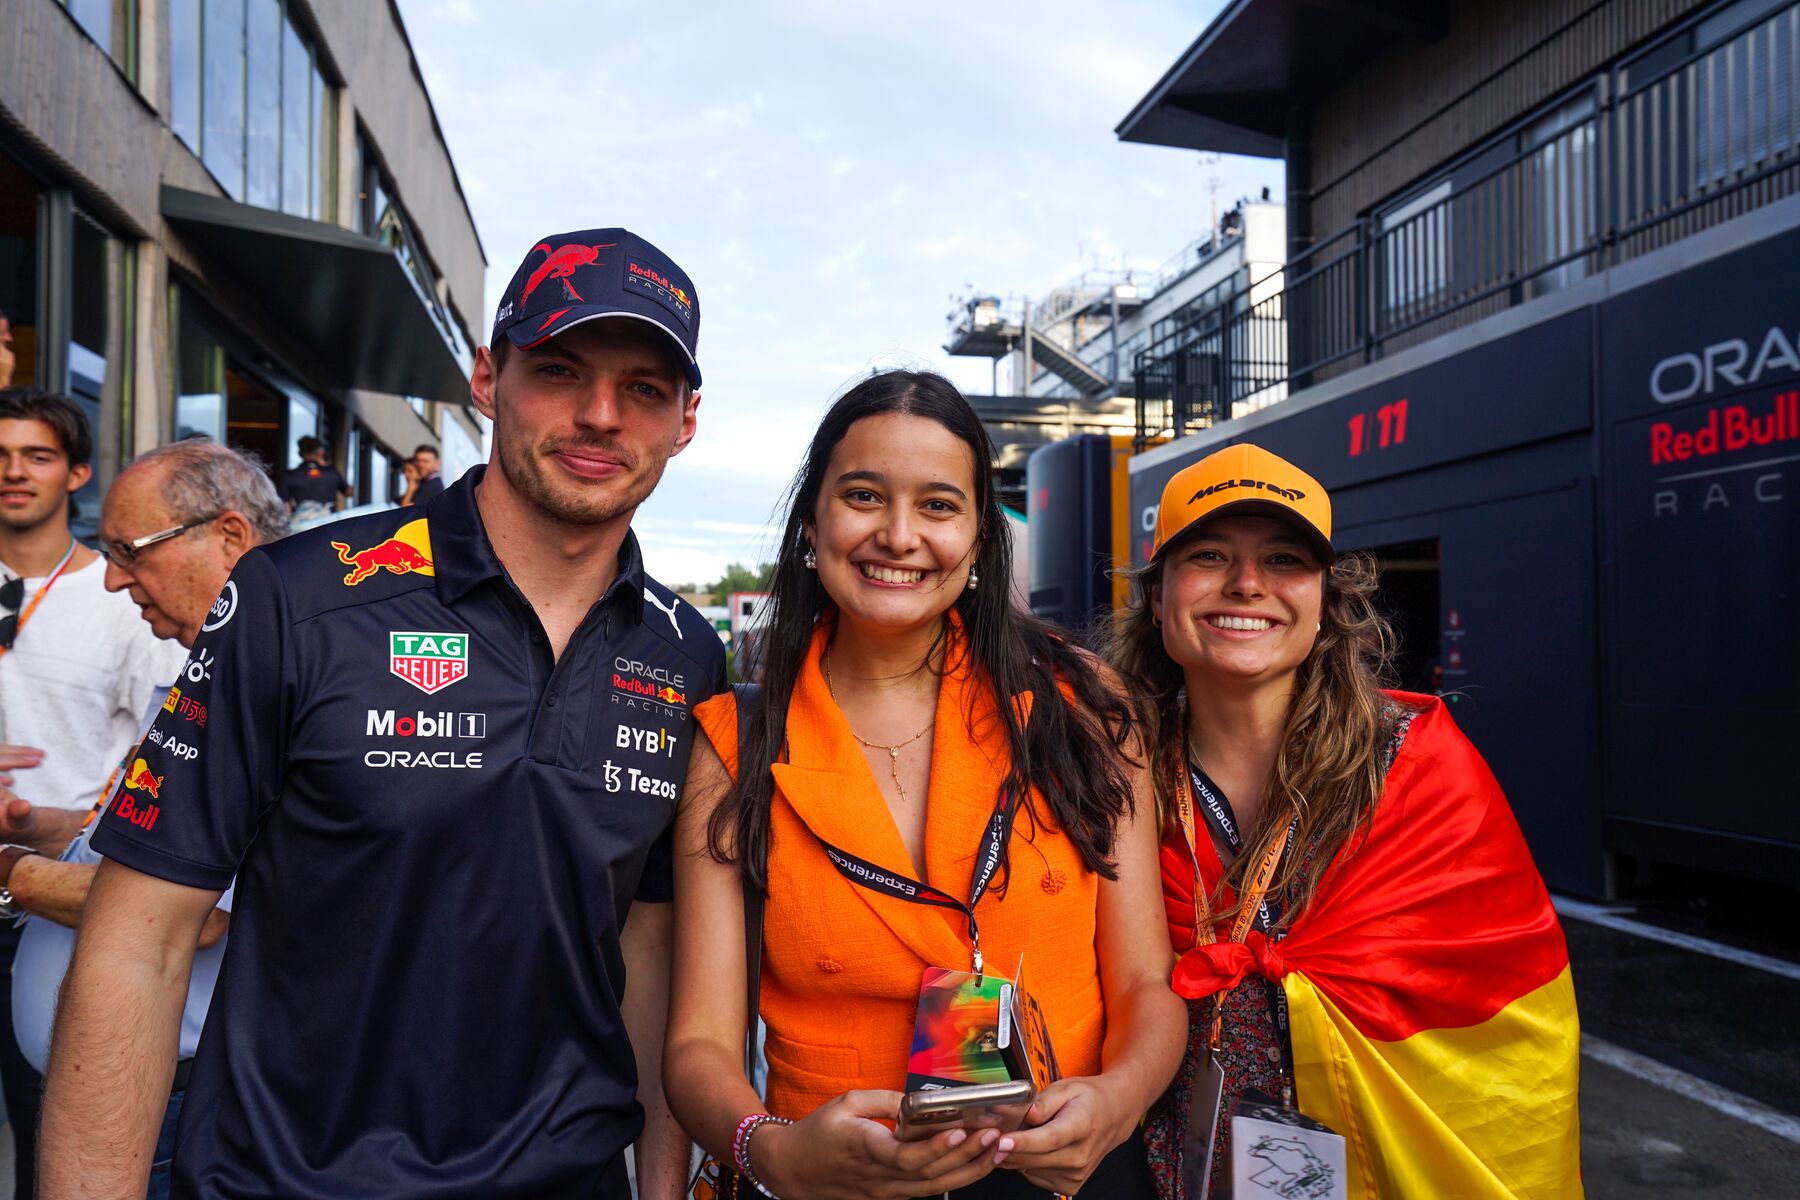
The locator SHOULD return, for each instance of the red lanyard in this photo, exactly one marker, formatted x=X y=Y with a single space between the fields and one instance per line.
x=37 y=597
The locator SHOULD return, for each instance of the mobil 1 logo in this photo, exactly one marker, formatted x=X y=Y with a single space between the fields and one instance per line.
x=387 y=722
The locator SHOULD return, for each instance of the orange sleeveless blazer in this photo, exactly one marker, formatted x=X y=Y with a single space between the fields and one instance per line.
x=841 y=963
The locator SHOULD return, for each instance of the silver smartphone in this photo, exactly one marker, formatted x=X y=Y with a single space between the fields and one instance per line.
x=999 y=1106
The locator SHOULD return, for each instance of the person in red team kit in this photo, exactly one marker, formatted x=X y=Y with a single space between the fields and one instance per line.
x=444 y=777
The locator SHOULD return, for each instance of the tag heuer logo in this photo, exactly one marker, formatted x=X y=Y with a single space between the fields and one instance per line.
x=430 y=662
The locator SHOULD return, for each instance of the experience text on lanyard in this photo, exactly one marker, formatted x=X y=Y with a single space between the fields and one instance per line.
x=1216 y=811
x=889 y=883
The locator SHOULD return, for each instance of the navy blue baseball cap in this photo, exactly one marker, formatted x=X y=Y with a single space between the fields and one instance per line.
x=569 y=278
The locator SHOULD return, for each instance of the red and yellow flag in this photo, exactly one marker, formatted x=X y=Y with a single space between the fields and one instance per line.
x=1428 y=985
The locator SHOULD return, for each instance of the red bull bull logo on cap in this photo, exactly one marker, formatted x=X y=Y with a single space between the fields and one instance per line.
x=430 y=662
x=408 y=552
x=561 y=264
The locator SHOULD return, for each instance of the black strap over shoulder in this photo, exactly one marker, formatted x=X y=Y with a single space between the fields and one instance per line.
x=748 y=696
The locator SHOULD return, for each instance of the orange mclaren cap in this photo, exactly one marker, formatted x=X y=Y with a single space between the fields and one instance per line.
x=1244 y=479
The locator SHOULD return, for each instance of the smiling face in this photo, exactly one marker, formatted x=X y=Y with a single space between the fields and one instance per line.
x=585 y=423
x=36 y=477
x=896 y=521
x=1239 y=600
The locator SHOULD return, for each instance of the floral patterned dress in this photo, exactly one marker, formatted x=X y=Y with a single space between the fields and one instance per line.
x=1249 y=1048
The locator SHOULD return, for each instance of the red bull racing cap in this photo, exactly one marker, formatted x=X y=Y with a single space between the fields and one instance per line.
x=569 y=278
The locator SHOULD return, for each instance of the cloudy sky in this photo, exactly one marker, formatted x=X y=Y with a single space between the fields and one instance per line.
x=828 y=174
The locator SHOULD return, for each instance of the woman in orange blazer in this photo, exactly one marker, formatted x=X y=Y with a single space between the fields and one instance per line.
x=910 y=708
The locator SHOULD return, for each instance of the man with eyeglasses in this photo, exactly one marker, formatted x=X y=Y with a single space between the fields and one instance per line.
x=78 y=671
x=174 y=524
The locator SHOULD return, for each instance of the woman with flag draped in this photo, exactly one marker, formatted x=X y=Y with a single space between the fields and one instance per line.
x=1360 y=931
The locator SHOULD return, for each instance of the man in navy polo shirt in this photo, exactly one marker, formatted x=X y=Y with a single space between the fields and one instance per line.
x=443 y=751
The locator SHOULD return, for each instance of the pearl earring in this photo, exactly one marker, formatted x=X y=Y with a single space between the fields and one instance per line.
x=810 y=560
x=974 y=579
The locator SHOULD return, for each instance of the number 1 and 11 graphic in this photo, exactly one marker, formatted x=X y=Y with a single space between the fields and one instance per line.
x=1386 y=428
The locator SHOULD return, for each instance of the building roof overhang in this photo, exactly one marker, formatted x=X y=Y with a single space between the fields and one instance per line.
x=1232 y=90
x=346 y=296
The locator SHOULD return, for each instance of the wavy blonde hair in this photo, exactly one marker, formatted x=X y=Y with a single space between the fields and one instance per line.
x=1330 y=767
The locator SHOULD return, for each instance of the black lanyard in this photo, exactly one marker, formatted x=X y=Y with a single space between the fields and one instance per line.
x=889 y=883
x=1222 y=819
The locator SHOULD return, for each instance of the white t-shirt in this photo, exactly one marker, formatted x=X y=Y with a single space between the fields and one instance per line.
x=75 y=683
x=46 y=949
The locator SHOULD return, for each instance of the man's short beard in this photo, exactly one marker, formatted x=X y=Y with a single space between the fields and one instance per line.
x=574 y=504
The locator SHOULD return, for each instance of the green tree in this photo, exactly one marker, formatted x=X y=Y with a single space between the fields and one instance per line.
x=740 y=578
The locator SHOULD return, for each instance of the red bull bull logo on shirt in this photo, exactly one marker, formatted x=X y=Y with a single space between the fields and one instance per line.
x=407 y=552
x=141 y=813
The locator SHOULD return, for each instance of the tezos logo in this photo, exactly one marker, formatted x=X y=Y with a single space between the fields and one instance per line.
x=637 y=781
x=173 y=746
x=384 y=722
x=199 y=668
x=430 y=662
x=223 y=609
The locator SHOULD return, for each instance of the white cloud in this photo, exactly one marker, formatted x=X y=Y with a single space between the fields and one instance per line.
x=827 y=174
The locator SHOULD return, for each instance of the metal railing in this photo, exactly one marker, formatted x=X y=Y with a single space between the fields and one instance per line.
x=1650 y=151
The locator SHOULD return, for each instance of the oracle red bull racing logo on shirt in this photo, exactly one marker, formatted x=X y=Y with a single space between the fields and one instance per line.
x=430 y=662
x=657 y=689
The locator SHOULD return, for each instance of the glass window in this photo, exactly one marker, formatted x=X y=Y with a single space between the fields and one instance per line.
x=19 y=268
x=184 y=70
x=325 y=142
x=222 y=104
x=1743 y=98
x=113 y=25
x=1415 y=240
x=354 y=474
x=302 y=420
x=246 y=94
x=88 y=314
x=264 y=30
x=96 y=287
x=359 y=172
x=460 y=451
x=380 y=474
x=199 y=374
x=296 y=124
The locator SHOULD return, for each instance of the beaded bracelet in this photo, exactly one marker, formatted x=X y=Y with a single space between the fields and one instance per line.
x=740 y=1147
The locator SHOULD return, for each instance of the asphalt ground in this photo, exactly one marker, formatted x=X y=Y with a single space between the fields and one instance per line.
x=1690 y=1074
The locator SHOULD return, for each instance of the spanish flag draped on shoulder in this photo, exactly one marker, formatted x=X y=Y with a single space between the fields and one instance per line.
x=1428 y=983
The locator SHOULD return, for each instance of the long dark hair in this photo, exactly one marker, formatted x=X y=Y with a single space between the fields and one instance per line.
x=1072 y=753
x=1329 y=771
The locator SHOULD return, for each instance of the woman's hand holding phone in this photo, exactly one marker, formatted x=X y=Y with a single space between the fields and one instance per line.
x=843 y=1152
x=1072 y=1125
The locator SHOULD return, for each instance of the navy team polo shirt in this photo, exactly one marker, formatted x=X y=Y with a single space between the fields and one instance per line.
x=437 y=830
